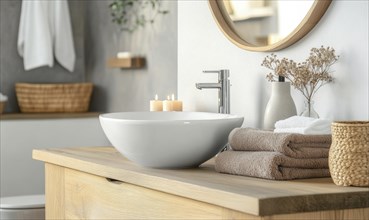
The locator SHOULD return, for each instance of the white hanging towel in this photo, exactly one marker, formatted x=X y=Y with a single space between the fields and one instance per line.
x=44 y=31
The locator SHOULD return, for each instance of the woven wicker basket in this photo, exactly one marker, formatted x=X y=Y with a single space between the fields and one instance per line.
x=51 y=98
x=2 y=107
x=349 y=153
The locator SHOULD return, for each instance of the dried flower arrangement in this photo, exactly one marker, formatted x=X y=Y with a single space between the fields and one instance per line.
x=307 y=77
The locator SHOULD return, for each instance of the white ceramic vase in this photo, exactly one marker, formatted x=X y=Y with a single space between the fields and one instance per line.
x=280 y=105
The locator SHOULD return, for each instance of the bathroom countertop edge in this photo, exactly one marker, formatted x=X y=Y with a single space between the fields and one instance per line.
x=249 y=195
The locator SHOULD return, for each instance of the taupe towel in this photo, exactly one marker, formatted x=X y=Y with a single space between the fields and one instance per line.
x=292 y=145
x=270 y=165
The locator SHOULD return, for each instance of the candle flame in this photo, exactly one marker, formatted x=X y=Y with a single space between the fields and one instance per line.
x=156 y=97
x=173 y=97
x=168 y=97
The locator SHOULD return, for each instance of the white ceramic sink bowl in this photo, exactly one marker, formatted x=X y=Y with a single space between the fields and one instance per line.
x=168 y=139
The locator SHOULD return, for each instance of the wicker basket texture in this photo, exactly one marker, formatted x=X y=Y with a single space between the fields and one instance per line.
x=52 y=98
x=2 y=107
x=349 y=153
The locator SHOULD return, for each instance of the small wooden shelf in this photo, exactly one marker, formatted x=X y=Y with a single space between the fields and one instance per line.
x=126 y=63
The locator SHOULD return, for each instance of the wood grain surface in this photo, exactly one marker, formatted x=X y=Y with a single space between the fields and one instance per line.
x=244 y=194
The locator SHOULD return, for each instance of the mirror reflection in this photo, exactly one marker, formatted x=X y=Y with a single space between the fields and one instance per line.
x=265 y=22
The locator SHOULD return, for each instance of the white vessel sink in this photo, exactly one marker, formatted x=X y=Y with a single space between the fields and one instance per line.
x=168 y=139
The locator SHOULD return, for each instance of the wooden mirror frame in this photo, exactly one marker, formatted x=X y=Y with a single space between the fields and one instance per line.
x=224 y=22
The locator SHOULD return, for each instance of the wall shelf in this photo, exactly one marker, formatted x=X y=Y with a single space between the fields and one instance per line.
x=37 y=116
x=126 y=63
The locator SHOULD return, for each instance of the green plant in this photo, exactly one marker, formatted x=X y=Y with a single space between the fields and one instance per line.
x=129 y=15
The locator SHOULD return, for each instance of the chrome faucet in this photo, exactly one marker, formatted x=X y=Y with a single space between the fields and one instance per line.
x=223 y=86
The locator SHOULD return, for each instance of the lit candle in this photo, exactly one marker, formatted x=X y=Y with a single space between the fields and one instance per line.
x=124 y=54
x=156 y=105
x=168 y=105
x=177 y=105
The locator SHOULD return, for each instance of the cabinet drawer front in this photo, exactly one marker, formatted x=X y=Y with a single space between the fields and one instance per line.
x=92 y=197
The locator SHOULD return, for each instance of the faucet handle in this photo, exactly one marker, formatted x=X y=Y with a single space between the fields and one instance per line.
x=211 y=71
x=222 y=74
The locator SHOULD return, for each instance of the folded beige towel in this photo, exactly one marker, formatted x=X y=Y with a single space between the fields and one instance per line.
x=292 y=145
x=270 y=165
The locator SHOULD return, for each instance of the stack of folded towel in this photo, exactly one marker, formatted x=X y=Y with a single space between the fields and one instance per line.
x=271 y=155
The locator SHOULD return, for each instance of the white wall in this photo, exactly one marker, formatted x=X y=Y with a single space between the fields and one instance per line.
x=201 y=46
x=20 y=174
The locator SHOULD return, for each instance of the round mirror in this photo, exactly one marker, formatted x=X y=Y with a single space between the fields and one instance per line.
x=265 y=25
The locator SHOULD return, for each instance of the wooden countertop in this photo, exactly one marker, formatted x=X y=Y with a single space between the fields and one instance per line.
x=250 y=195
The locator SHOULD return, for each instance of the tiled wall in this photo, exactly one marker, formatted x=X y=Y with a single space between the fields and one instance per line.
x=130 y=90
x=11 y=64
x=96 y=40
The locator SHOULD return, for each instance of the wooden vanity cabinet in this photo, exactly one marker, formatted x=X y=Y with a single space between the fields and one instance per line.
x=77 y=195
x=99 y=183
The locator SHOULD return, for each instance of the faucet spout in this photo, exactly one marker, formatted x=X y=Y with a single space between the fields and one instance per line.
x=223 y=85
x=208 y=86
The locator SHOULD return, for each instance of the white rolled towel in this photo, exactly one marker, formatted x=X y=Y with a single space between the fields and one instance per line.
x=303 y=125
x=3 y=98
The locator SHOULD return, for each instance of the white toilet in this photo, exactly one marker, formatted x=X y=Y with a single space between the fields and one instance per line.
x=22 y=207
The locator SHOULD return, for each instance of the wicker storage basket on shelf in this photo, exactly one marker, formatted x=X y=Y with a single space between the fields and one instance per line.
x=349 y=153
x=2 y=107
x=52 y=98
